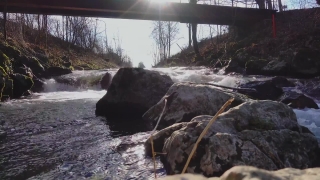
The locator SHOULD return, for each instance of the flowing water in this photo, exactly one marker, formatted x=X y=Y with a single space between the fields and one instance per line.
x=55 y=134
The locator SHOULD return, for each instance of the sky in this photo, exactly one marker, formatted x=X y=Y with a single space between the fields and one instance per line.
x=136 y=38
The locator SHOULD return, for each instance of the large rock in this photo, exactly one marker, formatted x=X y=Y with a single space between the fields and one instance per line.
x=132 y=92
x=253 y=173
x=264 y=134
x=192 y=100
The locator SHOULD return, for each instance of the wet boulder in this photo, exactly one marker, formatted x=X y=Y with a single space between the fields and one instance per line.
x=57 y=71
x=264 y=90
x=298 y=100
x=255 y=66
x=264 y=134
x=276 y=68
x=234 y=66
x=105 y=81
x=38 y=85
x=132 y=92
x=281 y=82
x=21 y=84
x=191 y=100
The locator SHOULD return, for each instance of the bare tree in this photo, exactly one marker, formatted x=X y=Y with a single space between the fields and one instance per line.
x=165 y=34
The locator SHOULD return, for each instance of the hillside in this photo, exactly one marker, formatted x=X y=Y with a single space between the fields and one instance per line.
x=295 y=51
x=26 y=60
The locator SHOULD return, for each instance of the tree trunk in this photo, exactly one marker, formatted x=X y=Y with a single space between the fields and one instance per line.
x=194 y=39
x=269 y=4
x=190 y=39
x=280 y=5
x=194 y=34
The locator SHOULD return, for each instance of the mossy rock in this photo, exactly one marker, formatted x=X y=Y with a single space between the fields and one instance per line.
x=7 y=90
x=5 y=63
x=33 y=63
x=10 y=51
x=2 y=85
x=3 y=72
x=241 y=57
x=21 y=84
x=255 y=66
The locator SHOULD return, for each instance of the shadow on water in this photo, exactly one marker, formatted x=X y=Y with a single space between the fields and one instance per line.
x=125 y=127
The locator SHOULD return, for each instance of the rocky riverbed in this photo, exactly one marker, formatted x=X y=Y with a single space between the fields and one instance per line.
x=56 y=135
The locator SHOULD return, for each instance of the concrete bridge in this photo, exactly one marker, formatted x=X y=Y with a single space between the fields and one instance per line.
x=140 y=9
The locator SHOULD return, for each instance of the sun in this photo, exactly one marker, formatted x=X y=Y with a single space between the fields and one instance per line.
x=164 y=1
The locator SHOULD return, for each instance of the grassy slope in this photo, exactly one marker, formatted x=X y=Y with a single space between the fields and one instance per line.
x=56 y=49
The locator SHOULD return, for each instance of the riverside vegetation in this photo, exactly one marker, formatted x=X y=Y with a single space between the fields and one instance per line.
x=28 y=54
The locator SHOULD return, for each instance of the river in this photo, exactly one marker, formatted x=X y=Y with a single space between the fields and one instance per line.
x=55 y=134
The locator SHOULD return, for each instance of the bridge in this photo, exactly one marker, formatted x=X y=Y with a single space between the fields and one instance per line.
x=140 y=9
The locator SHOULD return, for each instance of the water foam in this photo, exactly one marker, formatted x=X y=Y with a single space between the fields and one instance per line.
x=310 y=118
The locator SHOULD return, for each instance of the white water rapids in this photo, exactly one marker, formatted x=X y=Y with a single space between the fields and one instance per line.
x=55 y=134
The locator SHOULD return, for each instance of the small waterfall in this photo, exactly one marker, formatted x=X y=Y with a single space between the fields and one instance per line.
x=77 y=81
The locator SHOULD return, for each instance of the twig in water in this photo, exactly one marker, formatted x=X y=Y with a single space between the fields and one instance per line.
x=205 y=131
x=167 y=102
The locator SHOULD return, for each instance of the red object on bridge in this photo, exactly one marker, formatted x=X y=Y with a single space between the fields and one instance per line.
x=274 y=26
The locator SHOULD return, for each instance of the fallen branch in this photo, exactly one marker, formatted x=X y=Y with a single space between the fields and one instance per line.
x=227 y=87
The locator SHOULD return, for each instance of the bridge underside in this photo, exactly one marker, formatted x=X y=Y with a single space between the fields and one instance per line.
x=140 y=9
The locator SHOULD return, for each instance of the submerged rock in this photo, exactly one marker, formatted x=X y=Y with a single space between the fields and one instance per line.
x=264 y=90
x=132 y=92
x=192 y=100
x=281 y=82
x=57 y=71
x=264 y=134
x=253 y=173
x=105 y=81
x=298 y=101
